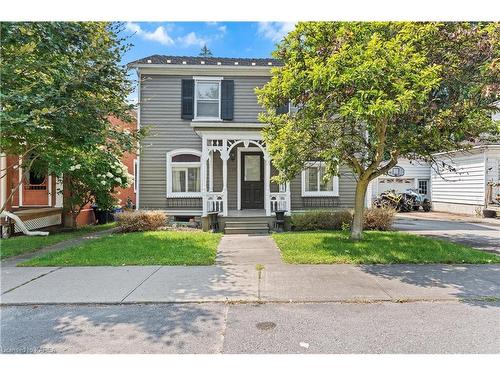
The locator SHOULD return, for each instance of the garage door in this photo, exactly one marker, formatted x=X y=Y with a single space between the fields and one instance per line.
x=398 y=184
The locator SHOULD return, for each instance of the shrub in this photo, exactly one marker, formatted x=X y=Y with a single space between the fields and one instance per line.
x=317 y=220
x=140 y=221
x=378 y=218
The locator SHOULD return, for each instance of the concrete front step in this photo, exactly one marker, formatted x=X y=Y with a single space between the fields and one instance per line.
x=246 y=230
x=246 y=224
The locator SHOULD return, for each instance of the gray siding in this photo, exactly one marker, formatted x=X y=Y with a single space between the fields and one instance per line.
x=347 y=188
x=160 y=111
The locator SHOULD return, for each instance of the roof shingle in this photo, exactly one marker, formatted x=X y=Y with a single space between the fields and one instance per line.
x=198 y=60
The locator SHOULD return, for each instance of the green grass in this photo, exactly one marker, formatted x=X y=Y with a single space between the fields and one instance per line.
x=25 y=244
x=140 y=248
x=327 y=247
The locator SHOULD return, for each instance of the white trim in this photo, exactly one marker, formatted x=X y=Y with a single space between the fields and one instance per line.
x=229 y=125
x=234 y=70
x=209 y=79
x=20 y=194
x=335 y=188
x=3 y=182
x=138 y=157
x=239 y=171
x=179 y=151
x=59 y=192
x=135 y=176
x=49 y=190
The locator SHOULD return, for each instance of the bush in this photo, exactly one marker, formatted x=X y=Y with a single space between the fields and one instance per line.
x=140 y=221
x=378 y=218
x=317 y=220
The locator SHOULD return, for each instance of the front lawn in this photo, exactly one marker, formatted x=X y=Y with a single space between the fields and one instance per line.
x=139 y=248
x=327 y=247
x=17 y=245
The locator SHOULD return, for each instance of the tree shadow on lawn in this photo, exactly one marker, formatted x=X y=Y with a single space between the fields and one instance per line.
x=477 y=285
x=168 y=328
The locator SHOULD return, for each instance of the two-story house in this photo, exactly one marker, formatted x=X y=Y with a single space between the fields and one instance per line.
x=205 y=153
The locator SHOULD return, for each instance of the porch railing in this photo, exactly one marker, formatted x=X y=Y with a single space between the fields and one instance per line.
x=214 y=202
x=278 y=201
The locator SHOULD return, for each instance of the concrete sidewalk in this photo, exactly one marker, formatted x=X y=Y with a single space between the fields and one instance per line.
x=305 y=283
x=234 y=278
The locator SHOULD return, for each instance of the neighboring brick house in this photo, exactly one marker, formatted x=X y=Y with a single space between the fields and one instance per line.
x=37 y=200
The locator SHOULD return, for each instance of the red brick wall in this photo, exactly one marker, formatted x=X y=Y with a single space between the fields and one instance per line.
x=128 y=159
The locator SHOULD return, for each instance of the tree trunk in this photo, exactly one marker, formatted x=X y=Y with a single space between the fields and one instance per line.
x=359 y=206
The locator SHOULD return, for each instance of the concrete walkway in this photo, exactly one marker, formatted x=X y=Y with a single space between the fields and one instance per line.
x=234 y=278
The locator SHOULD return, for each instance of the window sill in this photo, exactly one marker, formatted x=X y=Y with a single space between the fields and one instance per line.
x=207 y=119
x=184 y=195
x=320 y=194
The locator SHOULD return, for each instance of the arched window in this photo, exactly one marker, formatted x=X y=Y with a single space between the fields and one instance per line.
x=183 y=173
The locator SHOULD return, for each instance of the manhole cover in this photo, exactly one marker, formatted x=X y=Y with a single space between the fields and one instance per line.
x=265 y=326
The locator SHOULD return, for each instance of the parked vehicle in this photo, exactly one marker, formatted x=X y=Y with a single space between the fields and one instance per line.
x=403 y=202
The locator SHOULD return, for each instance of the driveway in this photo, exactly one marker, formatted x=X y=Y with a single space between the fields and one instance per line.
x=480 y=234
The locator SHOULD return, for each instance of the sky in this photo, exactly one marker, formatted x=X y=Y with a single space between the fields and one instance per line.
x=224 y=39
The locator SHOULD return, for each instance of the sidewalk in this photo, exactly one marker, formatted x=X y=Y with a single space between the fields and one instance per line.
x=234 y=278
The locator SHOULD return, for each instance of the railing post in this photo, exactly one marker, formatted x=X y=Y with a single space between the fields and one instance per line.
x=288 y=199
x=224 y=156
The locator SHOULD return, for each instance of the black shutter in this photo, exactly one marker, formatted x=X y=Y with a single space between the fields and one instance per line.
x=282 y=109
x=227 y=99
x=187 y=93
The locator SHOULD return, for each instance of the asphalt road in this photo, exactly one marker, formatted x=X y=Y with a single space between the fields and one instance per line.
x=419 y=327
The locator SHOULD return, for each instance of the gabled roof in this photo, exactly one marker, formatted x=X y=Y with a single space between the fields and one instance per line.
x=200 y=61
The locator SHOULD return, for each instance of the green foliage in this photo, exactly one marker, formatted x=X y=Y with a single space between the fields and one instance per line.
x=369 y=93
x=329 y=247
x=139 y=248
x=320 y=219
x=25 y=244
x=61 y=81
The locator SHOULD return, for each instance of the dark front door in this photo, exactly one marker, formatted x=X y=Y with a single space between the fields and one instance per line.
x=252 y=180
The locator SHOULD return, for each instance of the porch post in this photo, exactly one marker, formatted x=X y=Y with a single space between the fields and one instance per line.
x=203 y=171
x=267 y=183
x=288 y=199
x=211 y=171
x=224 y=156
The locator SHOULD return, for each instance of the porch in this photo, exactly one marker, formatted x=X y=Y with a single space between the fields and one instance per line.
x=236 y=178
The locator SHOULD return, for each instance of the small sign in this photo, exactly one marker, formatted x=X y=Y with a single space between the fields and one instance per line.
x=396 y=171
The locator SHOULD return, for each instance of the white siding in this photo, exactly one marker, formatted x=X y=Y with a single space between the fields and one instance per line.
x=465 y=185
x=414 y=170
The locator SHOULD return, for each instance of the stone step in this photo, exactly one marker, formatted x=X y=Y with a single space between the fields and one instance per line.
x=246 y=224
x=247 y=230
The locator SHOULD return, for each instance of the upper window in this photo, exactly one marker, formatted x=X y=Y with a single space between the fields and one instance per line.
x=207 y=99
x=314 y=184
x=183 y=174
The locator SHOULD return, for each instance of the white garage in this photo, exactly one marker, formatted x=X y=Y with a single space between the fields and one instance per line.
x=406 y=175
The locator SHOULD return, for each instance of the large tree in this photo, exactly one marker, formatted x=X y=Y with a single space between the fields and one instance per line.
x=369 y=93
x=61 y=81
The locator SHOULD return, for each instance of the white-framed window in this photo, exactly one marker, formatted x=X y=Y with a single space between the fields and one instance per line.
x=423 y=187
x=184 y=173
x=207 y=98
x=313 y=184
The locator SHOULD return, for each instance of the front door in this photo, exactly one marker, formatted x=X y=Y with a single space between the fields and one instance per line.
x=252 y=180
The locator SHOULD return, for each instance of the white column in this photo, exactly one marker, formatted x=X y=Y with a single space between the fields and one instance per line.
x=224 y=156
x=211 y=171
x=20 y=201
x=288 y=199
x=59 y=192
x=203 y=172
x=49 y=188
x=267 y=183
